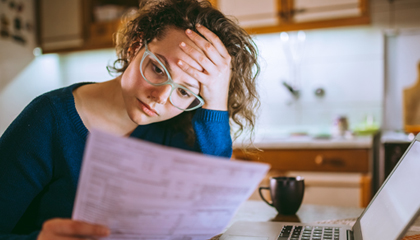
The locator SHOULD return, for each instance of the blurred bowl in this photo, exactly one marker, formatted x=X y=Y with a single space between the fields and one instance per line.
x=365 y=131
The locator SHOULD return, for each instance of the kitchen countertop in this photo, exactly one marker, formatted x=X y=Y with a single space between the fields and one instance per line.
x=396 y=137
x=308 y=142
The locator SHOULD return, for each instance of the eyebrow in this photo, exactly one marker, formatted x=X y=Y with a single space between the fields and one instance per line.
x=165 y=61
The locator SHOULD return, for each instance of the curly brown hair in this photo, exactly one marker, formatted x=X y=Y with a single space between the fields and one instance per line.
x=154 y=17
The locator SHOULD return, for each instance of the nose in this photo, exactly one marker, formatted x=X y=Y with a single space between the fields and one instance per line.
x=160 y=94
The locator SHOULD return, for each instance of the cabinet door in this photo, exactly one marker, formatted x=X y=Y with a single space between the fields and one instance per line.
x=251 y=13
x=315 y=10
x=61 y=24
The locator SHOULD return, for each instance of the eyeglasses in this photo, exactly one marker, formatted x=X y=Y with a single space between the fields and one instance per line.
x=156 y=74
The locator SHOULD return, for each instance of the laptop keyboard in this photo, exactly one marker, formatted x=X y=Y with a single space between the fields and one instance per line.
x=309 y=233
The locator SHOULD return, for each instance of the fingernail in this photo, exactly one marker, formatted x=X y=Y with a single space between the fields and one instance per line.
x=188 y=31
x=105 y=231
x=182 y=44
x=180 y=63
x=197 y=25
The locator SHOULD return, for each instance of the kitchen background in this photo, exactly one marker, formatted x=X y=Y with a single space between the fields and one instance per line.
x=308 y=78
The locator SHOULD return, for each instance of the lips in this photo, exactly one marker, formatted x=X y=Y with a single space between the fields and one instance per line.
x=147 y=109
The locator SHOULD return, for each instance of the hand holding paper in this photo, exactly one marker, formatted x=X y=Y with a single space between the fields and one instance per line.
x=141 y=190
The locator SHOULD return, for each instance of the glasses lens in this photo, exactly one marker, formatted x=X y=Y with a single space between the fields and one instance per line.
x=181 y=97
x=153 y=71
x=184 y=98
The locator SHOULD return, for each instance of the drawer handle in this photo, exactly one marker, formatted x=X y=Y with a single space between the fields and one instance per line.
x=319 y=160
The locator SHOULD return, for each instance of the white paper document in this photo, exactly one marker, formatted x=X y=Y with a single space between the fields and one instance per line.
x=142 y=190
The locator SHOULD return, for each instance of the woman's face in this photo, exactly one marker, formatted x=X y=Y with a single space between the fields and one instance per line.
x=146 y=103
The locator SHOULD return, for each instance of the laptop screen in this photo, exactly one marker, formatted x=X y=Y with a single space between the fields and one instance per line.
x=397 y=202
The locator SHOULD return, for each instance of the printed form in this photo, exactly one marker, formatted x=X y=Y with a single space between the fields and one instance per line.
x=142 y=190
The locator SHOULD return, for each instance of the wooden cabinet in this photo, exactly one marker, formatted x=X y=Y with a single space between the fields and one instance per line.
x=267 y=16
x=394 y=16
x=330 y=174
x=73 y=25
x=319 y=160
x=101 y=34
x=69 y=25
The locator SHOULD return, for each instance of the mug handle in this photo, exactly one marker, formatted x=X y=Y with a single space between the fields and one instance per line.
x=266 y=188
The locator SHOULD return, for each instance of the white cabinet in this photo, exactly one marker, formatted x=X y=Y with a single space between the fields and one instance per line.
x=251 y=13
x=267 y=16
x=314 y=10
x=61 y=24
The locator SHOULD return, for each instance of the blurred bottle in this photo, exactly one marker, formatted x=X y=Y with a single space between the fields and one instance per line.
x=340 y=127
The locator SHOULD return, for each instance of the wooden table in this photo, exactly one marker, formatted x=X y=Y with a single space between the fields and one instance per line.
x=259 y=211
x=253 y=210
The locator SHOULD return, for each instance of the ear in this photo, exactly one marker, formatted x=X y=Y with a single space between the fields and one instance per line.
x=133 y=50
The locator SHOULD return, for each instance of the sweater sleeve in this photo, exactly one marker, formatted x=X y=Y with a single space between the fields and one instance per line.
x=212 y=132
x=32 y=236
x=25 y=165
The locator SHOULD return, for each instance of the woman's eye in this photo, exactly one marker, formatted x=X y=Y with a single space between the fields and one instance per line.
x=157 y=69
x=183 y=92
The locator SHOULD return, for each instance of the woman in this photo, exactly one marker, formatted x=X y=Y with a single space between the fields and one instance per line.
x=185 y=71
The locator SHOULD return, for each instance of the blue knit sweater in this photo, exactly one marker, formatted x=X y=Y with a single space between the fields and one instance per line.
x=41 y=154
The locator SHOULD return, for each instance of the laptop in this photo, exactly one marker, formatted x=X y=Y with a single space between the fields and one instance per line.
x=388 y=216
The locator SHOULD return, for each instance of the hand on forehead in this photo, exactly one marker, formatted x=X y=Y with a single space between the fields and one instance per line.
x=168 y=46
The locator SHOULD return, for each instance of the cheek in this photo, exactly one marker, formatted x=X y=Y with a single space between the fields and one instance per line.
x=171 y=111
x=132 y=81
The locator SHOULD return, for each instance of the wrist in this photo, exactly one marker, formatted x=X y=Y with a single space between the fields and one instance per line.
x=219 y=102
x=218 y=107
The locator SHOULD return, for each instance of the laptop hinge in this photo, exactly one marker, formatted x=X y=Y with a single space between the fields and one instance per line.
x=350 y=235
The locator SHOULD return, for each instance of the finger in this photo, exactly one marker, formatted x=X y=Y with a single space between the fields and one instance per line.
x=50 y=236
x=199 y=76
x=214 y=39
x=212 y=53
x=75 y=228
x=193 y=64
x=198 y=57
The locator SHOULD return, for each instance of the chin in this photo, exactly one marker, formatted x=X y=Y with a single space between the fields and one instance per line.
x=138 y=117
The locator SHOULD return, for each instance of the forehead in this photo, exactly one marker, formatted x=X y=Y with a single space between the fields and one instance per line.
x=169 y=43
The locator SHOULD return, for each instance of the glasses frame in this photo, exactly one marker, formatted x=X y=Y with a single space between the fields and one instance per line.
x=174 y=85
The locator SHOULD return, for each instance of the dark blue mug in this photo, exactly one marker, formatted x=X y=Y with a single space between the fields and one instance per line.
x=286 y=194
